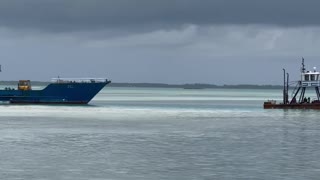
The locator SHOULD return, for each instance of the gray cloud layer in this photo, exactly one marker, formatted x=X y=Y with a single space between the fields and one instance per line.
x=75 y=15
x=215 y=54
x=170 y=41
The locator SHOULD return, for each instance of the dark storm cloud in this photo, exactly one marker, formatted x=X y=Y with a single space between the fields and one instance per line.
x=75 y=15
x=167 y=41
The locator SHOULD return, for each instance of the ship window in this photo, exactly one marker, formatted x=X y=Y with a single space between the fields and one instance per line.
x=312 y=77
x=306 y=77
x=317 y=77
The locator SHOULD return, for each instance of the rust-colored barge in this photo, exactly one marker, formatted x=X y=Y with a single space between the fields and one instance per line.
x=310 y=80
x=312 y=105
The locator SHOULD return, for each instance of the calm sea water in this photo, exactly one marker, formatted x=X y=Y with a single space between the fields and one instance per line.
x=141 y=133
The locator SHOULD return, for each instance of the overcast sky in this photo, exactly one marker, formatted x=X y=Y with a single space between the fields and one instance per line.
x=162 y=41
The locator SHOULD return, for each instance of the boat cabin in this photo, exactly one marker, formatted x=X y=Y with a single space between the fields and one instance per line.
x=24 y=85
x=310 y=78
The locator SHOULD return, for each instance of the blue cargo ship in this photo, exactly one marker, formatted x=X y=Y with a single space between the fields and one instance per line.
x=59 y=91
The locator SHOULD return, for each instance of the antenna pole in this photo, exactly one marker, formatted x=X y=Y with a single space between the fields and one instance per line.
x=303 y=68
x=287 y=92
x=284 y=86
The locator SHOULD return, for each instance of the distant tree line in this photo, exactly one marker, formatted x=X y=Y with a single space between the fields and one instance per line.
x=195 y=86
x=162 y=85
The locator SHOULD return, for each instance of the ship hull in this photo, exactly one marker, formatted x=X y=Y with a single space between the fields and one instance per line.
x=55 y=93
x=292 y=106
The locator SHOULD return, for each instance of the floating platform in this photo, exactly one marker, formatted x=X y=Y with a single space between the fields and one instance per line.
x=309 y=80
x=270 y=105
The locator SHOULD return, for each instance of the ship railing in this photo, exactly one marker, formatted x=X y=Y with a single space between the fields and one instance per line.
x=79 y=80
x=310 y=83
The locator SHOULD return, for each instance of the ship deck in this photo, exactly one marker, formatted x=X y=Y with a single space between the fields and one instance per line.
x=268 y=105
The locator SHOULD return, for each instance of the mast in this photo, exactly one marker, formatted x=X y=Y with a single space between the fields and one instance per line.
x=303 y=69
x=287 y=91
x=284 y=86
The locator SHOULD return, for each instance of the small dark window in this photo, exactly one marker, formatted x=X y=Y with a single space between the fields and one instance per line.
x=312 y=77
x=306 y=77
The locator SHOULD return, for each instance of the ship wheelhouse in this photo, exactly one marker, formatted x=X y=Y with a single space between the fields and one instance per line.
x=310 y=78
